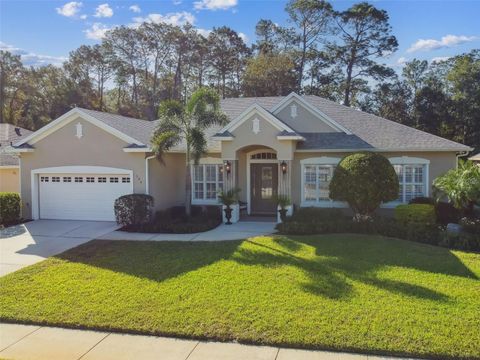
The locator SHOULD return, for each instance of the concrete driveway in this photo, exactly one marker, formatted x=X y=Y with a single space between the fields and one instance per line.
x=29 y=243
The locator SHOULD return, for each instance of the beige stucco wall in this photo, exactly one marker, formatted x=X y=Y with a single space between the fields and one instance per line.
x=95 y=148
x=440 y=163
x=244 y=137
x=305 y=121
x=9 y=179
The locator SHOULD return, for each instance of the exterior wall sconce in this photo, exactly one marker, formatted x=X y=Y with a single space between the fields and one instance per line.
x=227 y=166
x=283 y=167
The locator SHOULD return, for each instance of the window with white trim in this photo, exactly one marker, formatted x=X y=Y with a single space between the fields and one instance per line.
x=67 y=179
x=412 y=181
x=78 y=179
x=207 y=180
x=114 y=179
x=90 y=179
x=44 y=179
x=125 y=179
x=316 y=182
x=102 y=179
x=316 y=176
x=55 y=178
x=412 y=175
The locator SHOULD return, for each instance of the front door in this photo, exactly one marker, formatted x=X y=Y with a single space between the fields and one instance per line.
x=264 y=186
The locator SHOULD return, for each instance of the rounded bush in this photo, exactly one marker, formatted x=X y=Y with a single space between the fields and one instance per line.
x=364 y=180
x=9 y=208
x=416 y=213
x=133 y=209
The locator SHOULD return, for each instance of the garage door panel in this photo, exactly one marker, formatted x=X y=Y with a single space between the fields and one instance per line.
x=70 y=196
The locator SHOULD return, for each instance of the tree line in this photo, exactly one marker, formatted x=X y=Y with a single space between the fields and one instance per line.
x=339 y=55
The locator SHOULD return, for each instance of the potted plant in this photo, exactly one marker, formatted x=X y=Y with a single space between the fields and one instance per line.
x=228 y=198
x=284 y=206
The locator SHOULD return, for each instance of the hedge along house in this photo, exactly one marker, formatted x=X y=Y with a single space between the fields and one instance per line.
x=76 y=166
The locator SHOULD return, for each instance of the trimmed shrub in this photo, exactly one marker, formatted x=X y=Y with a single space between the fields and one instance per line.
x=471 y=226
x=446 y=213
x=9 y=208
x=364 y=180
x=313 y=214
x=422 y=200
x=461 y=241
x=174 y=221
x=415 y=213
x=133 y=209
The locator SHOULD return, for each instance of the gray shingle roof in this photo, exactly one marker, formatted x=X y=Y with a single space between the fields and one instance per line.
x=371 y=130
x=10 y=134
x=140 y=130
x=368 y=131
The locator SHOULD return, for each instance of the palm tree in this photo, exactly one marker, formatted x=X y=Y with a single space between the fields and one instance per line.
x=185 y=124
x=461 y=186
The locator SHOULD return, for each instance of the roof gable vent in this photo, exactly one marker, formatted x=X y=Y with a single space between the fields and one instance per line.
x=293 y=111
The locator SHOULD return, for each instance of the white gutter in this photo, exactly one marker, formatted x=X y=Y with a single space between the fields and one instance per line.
x=147 y=185
x=461 y=154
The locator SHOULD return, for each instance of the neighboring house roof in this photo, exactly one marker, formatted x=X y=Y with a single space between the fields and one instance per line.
x=10 y=134
x=367 y=131
x=475 y=157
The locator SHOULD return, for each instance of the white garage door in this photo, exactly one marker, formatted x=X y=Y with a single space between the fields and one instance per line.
x=81 y=196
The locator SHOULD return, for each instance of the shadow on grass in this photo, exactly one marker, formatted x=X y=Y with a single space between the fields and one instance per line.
x=338 y=258
x=153 y=260
x=331 y=262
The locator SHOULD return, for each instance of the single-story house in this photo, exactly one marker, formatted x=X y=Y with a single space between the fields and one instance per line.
x=475 y=159
x=9 y=169
x=74 y=167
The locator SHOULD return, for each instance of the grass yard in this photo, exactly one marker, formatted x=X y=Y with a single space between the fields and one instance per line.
x=344 y=292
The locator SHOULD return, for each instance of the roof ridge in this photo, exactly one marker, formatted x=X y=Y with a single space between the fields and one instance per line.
x=110 y=113
x=382 y=118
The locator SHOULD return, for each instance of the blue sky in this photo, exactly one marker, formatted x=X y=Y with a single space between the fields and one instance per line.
x=45 y=31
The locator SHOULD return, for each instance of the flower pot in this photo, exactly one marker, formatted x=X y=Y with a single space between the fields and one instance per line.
x=228 y=214
x=283 y=214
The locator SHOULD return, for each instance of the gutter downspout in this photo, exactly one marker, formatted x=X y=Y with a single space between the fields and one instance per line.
x=147 y=183
x=461 y=154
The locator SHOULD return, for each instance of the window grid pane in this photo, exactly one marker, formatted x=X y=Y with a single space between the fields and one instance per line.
x=207 y=181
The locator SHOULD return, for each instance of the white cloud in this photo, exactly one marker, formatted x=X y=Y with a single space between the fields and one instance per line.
x=135 y=9
x=445 y=41
x=204 y=32
x=243 y=37
x=103 y=11
x=69 y=9
x=97 y=31
x=83 y=17
x=214 y=4
x=177 y=18
x=32 y=59
x=439 y=59
x=401 y=61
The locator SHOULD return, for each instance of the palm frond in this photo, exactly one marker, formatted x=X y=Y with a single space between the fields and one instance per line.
x=165 y=137
x=198 y=144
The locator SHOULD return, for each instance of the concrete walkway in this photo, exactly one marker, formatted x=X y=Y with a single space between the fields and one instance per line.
x=21 y=342
x=240 y=230
x=34 y=241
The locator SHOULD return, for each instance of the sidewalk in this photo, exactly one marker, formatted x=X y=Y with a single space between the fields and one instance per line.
x=237 y=231
x=30 y=342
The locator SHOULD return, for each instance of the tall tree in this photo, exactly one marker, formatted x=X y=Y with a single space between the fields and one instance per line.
x=365 y=36
x=228 y=53
x=311 y=19
x=11 y=68
x=186 y=123
x=269 y=75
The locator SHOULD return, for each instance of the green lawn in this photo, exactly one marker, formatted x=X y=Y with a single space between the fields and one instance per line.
x=345 y=292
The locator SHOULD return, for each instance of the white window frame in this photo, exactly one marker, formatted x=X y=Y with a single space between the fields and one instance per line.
x=318 y=161
x=410 y=161
x=202 y=162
